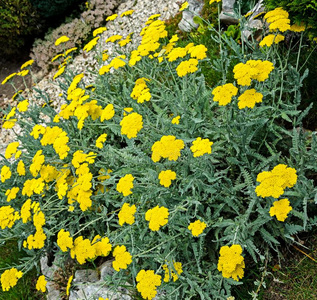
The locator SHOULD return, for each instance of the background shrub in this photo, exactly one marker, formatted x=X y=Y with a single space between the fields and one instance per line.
x=18 y=21
x=299 y=10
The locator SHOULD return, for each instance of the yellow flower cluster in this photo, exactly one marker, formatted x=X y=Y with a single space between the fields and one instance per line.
x=116 y=63
x=91 y=44
x=37 y=162
x=157 y=217
x=249 y=98
x=12 y=193
x=64 y=240
x=166 y=177
x=252 y=69
x=99 y=142
x=99 y=31
x=278 y=19
x=280 y=209
x=126 y=214
x=168 y=147
x=201 y=146
x=8 y=216
x=224 y=93
x=9 y=278
x=5 y=173
x=125 y=185
x=122 y=258
x=62 y=39
x=36 y=240
x=231 y=262
x=140 y=91
x=41 y=284
x=174 y=272
x=147 y=282
x=270 y=39
x=131 y=124
x=11 y=149
x=197 y=227
x=107 y=113
x=273 y=183
x=186 y=67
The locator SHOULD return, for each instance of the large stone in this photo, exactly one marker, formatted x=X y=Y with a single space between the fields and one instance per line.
x=187 y=22
x=227 y=15
x=253 y=26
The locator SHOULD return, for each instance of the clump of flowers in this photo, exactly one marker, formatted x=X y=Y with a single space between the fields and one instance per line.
x=197 y=227
x=173 y=272
x=125 y=185
x=157 y=217
x=166 y=177
x=126 y=214
x=122 y=258
x=147 y=282
x=201 y=146
x=273 y=183
x=140 y=91
x=278 y=19
x=168 y=147
x=131 y=125
x=224 y=93
x=231 y=262
x=9 y=278
x=280 y=209
x=249 y=98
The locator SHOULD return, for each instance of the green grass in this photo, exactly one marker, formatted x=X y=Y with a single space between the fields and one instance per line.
x=25 y=288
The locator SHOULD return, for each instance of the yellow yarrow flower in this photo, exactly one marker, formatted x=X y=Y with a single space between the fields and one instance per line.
x=8 y=216
x=231 y=262
x=91 y=44
x=298 y=27
x=9 y=278
x=175 y=120
x=8 y=78
x=12 y=193
x=112 y=17
x=59 y=72
x=201 y=146
x=82 y=250
x=27 y=63
x=278 y=19
x=69 y=282
x=23 y=106
x=125 y=185
x=131 y=125
x=249 y=98
x=122 y=258
x=166 y=177
x=270 y=39
x=64 y=240
x=184 y=6
x=11 y=149
x=114 y=38
x=147 y=282
x=99 y=31
x=280 y=209
x=99 y=142
x=21 y=168
x=157 y=217
x=197 y=227
x=186 y=67
x=5 y=173
x=168 y=147
x=127 y=13
x=126 y=214
x=41 y=284
x=175 y=271
x=273 y=183
x=62 y=39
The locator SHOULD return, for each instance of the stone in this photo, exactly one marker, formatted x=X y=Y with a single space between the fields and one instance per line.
x=227 y=15
x=106 y=269
x=253 y=26
x=86 y=276
x=187 y=22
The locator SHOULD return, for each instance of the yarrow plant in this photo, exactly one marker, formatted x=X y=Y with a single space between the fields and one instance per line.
x=173 y=179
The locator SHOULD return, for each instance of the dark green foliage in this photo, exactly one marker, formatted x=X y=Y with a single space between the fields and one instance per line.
x=18 y=21
x=52 y=8
x=299 y=10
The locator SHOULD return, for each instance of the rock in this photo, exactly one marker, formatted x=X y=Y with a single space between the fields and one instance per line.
x=106 y=269
x=227 y=15
x=253 y=26
x=86 y=276
x=96 y=290
x=187 y=22
x=52 y=289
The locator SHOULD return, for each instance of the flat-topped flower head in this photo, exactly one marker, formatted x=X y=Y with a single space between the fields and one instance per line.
x=125 y=185
x=168 y=147
x=157 y=217
x=41 y=284
x=197 y=227
x=201 y=146
x=249 y=98
x=126 y=214
x=62 y=39
x=231 y=262
x=166 y=177
x=131 y=124
x=9 y=278
x=122 y=258
x=280 y=209
x=147 y=282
